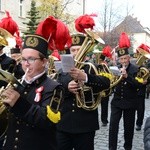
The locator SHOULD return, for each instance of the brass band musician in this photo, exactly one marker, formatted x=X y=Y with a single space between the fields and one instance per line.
x=100 y=60
x=142 y=91
x=6 y=63
x=124 y=101
x=32 y=121
x=76 y=130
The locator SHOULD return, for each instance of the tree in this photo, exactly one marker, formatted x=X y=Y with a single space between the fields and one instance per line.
x=33 y=19
x=57 y=9
x=112 y=13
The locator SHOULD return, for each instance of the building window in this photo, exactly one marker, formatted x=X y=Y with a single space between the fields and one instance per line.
x=21 y=9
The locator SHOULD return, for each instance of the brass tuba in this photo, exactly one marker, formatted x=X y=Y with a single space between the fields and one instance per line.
x=6 y=39
x=143 y=73
x=142 y=56
x=90 y=41
x=103 y=68
x=141 y=60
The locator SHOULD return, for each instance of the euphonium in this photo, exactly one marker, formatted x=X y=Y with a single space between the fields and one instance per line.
x=143 y=73
x=142 y=57
x=104 y=70
x=90 y=41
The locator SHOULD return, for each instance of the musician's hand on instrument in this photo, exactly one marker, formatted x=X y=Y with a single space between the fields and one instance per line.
x=78 y=74
x=145 y=82
x=52 y=75
x=124 y=72
x=73 y=87
x=11 y=96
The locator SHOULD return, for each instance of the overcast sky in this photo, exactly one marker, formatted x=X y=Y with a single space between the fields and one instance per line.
x=141 y=9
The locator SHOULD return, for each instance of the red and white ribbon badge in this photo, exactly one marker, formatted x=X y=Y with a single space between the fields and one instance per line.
x=38 y=94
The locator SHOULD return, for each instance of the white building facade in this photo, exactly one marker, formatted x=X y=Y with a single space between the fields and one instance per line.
x=17 y=10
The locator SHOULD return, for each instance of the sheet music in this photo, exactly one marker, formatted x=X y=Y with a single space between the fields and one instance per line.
x=57 y=65
x=115 y=70
x=67 y=62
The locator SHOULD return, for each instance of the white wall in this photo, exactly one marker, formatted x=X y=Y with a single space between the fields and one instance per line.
x=12 y=6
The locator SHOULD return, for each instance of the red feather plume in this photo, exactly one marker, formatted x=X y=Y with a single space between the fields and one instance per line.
x=9 y=24
x=106 y=51
x=124 y=41
x=47 y=27
x=56 y=54
x=145 y=47
x=84 y=22
x=56 y=32
x=18 y=40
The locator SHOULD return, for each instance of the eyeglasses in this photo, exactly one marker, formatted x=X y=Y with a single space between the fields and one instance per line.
x=29 y=60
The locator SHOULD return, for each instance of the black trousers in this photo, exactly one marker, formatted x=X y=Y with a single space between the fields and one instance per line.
x=128 y=122
x=81 y=141
x=140 y=110
x=104 y=109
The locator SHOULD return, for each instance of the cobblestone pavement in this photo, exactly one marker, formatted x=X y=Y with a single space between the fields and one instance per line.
x=101 y=138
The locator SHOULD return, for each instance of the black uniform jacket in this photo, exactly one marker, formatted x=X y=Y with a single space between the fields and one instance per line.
x=7 y=64
x=29 y=128
x=78 y=120
x=18 y=71
x=126 y=91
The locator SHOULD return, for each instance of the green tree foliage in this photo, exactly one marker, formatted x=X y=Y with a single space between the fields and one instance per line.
x=56 y=8
x=33 y=19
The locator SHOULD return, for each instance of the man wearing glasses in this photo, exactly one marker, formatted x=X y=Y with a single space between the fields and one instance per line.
x=31 y=123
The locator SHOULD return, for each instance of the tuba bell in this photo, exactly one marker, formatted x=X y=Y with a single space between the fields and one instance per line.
x=6 y=39
x=142 y=56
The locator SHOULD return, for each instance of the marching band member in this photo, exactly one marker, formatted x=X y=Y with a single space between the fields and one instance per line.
x=6 y=62
x=101 y=59
x=76 y=130
x=142 y=90
x=32 y=121
x=125 y=101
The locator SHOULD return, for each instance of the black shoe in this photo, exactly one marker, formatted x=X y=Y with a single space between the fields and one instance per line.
x=138 y=128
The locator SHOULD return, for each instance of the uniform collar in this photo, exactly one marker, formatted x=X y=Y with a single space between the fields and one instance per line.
x=35 y=79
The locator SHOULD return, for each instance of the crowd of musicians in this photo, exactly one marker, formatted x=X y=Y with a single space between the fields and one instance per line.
x=61 y=113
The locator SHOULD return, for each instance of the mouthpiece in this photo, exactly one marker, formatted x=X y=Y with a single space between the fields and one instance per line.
x=24 y=75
